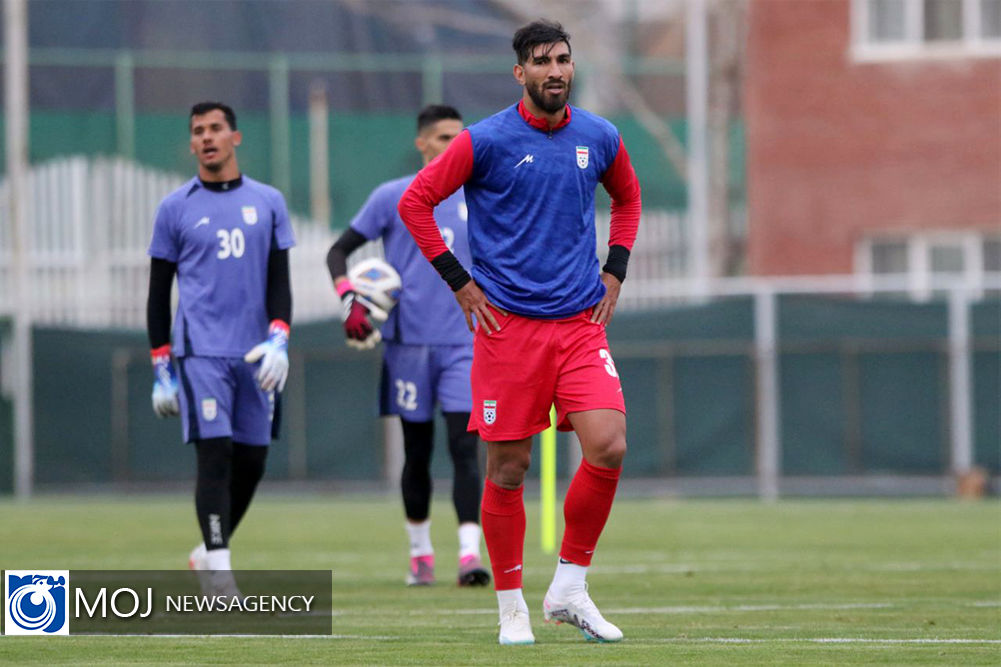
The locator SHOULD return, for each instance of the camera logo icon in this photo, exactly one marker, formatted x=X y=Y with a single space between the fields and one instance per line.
x=36 y=602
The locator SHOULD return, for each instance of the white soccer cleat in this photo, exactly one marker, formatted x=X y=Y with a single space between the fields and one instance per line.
x=198 y=562
x=198 y=558
x=580 y=611
x=515 y=627
x=212 y=582
x=222 y=584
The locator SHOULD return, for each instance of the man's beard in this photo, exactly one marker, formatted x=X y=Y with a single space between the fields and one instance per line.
x=549 y=103
x=215 y=166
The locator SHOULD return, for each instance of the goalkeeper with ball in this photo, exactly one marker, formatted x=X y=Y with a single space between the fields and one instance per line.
x=427 y=353
x=226 y=239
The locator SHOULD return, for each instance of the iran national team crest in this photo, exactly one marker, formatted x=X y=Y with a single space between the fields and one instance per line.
x=250 y=212
x=209 y=409
x=582 y=154
x=489 y=411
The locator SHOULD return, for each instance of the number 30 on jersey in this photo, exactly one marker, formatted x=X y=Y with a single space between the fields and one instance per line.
x=231 y=243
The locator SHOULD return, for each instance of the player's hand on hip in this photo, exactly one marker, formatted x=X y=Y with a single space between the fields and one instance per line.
x=358 y=328
x=474 y=303
x=273 y=355
x=164 y=383
x=603 y=311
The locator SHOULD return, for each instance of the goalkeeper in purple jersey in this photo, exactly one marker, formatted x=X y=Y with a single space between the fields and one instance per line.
x=226 y=238
x=427 y=354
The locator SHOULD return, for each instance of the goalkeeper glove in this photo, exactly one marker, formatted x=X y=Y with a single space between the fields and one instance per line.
x=357 y=326
x=164 y=383
x=274 y=351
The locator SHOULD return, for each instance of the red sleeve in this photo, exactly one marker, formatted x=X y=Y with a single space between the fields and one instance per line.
x=433 y=184
x=621 y=183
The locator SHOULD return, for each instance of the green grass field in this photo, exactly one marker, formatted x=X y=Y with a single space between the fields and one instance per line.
x=690 y=582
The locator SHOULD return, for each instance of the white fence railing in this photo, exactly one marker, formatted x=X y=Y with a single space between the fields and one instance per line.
x=90 y=221
x=660 y=249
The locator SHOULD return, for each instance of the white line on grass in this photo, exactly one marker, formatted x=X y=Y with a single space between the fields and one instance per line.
x=919 y=640
x=695 y=609
x=967 y=566
x=751 y=607
x=248 y=636
x=682 y=568
x=639 y=642
x=819 y=640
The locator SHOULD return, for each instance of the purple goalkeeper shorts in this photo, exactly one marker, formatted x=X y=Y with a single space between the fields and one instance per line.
x=415 y=377
x=220 y=398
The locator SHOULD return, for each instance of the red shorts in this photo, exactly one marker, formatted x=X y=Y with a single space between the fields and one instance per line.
x=531 y=364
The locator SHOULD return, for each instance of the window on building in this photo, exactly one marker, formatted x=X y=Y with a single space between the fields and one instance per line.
x=886 y=21
x=903 y=29
x=990 y=19
x=889 y=257
x=947 y=258
x=924 y=259
x=992 y=255
x=943 y=20
x=992 y=261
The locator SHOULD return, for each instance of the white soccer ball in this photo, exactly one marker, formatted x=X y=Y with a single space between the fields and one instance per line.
x=377 y=285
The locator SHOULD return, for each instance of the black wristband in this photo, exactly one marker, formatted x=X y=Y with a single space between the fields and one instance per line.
x=618 y=259
x=451 y=271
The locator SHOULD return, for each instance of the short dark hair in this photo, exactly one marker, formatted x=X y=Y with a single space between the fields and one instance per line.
x=432 y=113
x=538 y=32
x=203 y=108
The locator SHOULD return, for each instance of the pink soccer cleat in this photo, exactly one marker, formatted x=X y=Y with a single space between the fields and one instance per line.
x=421 y=571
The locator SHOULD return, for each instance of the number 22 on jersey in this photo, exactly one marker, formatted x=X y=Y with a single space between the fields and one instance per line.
x=406 y=395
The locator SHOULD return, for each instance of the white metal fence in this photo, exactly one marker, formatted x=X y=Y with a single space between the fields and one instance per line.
x=90 y=221
x=660 y=251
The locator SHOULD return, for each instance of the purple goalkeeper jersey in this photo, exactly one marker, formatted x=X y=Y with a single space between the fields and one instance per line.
x=427 y=313
x=220 y=241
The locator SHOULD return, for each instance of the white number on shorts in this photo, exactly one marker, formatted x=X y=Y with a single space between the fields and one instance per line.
x=231 y=243
x=406 y=395
x=609 y=364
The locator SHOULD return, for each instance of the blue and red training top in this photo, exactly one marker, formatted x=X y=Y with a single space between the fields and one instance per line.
x=530 y=193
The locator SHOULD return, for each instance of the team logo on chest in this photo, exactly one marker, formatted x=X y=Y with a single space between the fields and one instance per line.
x=250 y=214
x=489 y=411
x=582 y=155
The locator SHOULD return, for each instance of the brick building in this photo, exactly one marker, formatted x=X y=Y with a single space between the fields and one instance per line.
x=873 y=136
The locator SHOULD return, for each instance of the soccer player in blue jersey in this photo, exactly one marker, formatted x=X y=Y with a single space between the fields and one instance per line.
x=226 y=239
x=541 y=302
x=427 y=353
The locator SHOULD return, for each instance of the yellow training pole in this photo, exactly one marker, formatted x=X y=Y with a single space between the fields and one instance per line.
x=547 y=486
